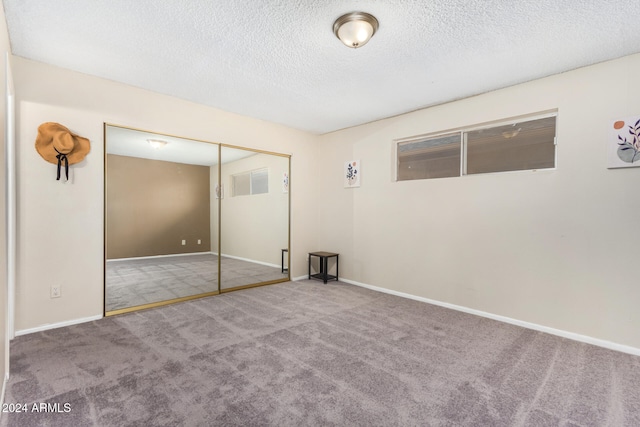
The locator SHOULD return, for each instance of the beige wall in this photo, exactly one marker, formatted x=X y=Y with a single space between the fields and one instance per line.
x=4 y=333
x=61 y=224
x=553 y=248
x=213 y=213
x=255 y=227
x=550 y=247
x=153 y=205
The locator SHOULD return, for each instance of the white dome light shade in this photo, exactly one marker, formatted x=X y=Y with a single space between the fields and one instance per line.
x=355 y=29
x=157 y=143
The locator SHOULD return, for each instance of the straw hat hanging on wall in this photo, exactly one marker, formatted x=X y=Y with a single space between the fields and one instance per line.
x=56 y=144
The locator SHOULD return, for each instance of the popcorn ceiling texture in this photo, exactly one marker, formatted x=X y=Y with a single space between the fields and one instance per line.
x=278 y=60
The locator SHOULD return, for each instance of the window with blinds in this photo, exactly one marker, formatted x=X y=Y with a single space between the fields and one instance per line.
x=525 y=145
x=253 y=182
x=436 y=157
x=528 y=144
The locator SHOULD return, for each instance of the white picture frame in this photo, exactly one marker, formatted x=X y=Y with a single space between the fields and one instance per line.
x=624 y=143
x=352 y=174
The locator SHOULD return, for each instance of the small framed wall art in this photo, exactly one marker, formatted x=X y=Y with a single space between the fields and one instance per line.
x=352 y=173
x=624 y=143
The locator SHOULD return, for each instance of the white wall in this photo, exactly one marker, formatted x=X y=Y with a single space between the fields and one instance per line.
x=255 y=226
x=4 y=309
x=556 y=248
x=60 y=230
x=213 y=215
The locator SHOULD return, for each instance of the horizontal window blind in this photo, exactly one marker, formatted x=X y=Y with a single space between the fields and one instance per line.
x=527 y=144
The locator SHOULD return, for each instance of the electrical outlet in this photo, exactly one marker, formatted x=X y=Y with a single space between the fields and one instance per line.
x=55 y=291
x=184 y=242
x=199 y=241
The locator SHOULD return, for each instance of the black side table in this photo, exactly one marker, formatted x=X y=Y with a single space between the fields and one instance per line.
x=284 y=269
x=324 y=267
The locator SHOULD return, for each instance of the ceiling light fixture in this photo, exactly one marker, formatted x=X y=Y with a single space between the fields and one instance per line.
x=355 y=29
x=157 y=143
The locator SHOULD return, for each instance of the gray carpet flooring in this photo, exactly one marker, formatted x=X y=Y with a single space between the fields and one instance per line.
x=306 y=353
x=133 y=282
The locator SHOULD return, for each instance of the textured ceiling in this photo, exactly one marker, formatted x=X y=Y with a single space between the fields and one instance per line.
x=278 y=60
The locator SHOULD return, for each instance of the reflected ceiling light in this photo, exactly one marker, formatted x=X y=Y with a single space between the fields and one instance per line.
x=157 y=143
x=355 y=29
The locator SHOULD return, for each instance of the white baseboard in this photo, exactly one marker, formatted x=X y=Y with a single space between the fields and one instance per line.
x=559 y=332
x=197 y=253
x=252 y=260
x=157 y=256
x=58 y=325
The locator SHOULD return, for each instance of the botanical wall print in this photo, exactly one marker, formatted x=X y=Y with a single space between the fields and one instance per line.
x=352 y=174
x=624 y=147
x=285 y=182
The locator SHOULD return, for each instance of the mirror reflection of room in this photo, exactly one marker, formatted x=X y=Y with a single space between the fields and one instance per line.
x=159 y=205
x=254 y=217
x=164 y=207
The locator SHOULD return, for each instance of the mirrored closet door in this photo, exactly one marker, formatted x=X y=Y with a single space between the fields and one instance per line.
x=254 y=213
x=164 y=208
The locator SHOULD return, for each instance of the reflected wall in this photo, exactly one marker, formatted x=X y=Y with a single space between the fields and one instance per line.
x=255 y=209
x=156 y=207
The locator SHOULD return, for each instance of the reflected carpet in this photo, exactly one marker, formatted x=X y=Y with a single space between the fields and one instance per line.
x=132 y=282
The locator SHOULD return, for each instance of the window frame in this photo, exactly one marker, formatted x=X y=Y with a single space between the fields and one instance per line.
x=463 y=131
x=251 y=182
